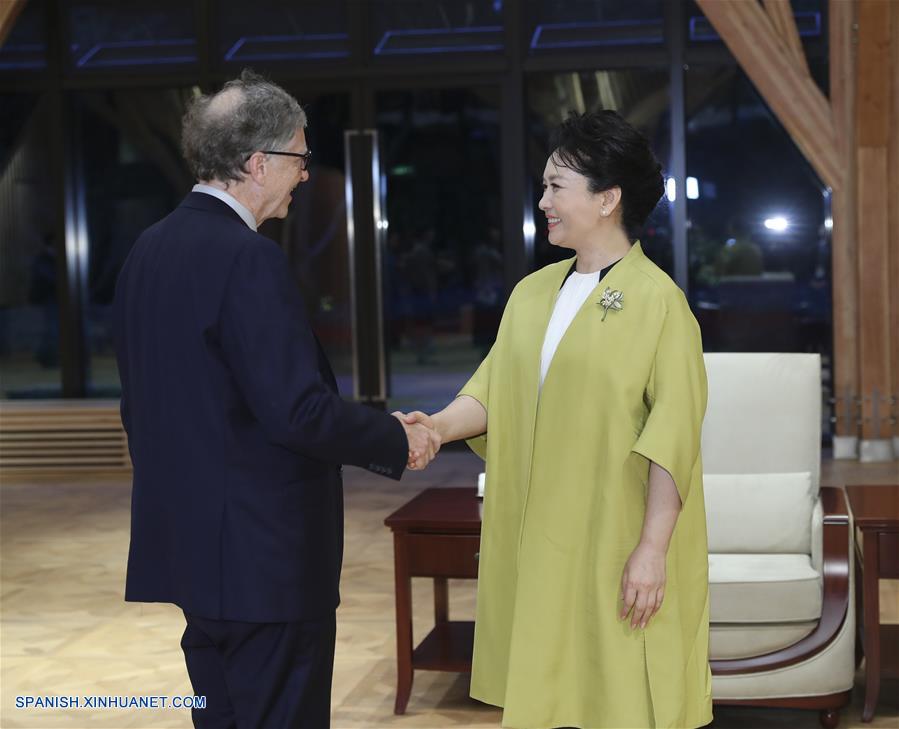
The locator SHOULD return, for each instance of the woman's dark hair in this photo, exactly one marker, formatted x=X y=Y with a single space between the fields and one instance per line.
x=609 y=152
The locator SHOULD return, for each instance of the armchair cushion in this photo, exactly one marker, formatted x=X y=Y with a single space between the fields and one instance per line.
x=763 y=588
x=764 y=413
x=760 y=512
x=745 y=640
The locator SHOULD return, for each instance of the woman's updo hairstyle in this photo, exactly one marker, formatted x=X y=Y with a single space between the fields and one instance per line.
x=609 y=152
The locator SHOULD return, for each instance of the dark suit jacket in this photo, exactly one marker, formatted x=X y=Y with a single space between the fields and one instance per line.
x=235 y=426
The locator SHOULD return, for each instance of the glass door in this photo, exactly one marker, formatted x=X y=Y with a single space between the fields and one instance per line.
x=314 y=234
x=441 y=240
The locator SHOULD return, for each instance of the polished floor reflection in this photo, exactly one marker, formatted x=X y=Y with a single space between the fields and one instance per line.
x=66 y=631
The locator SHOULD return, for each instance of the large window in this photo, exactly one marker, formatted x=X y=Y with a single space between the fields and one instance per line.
x=133 y=175
x=29 y=274
x=810 y=17
x=443 y=263
x=416 y=27
x=759 y=241
x=278 y=31
x=582 y=24
x=462 y=96
x=137 y=35
x=25 y=49
x=314 y=234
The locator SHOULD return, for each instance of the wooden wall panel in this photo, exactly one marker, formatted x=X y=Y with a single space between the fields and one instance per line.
x=873 y=109
x=844 y=235
x=873 y=265
x=894 y=214
x=873 y=120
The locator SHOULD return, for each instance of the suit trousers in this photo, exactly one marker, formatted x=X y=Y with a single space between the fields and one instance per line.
x=260 y=675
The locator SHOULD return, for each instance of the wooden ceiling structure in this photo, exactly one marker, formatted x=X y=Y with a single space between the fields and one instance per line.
x=9 y=12
x=852 y=142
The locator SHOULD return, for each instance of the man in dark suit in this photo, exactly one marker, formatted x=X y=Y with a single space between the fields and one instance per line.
x=236 y=429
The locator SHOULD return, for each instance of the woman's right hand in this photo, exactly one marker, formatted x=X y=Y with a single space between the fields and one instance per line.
x=424 y=442
x=417 y=416
x=428 y=421
x=463 y=418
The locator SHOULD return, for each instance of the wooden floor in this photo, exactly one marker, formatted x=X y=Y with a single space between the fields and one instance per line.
x=66 y=631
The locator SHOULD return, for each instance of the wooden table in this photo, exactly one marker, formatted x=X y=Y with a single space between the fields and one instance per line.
x=437 y=534
x=875 y=510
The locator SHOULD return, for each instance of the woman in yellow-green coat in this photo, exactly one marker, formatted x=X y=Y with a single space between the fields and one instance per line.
x=593 y=606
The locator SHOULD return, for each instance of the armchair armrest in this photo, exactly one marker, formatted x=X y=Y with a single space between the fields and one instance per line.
x=837 y=549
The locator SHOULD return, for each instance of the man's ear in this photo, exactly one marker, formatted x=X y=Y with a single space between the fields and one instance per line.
x=255 y=167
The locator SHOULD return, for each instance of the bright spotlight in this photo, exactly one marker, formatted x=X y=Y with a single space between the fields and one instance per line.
x=529 y=229
x=778 y=224
x=828 y=223
x=671 y=189
x=692 y=188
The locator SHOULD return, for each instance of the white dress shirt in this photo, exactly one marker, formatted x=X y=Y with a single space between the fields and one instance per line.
x=572 y=296
x=230 y=201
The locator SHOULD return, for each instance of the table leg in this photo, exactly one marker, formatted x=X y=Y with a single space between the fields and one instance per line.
x=859 y=610
x=872 y=623
x=441 y=600
x=403 y=623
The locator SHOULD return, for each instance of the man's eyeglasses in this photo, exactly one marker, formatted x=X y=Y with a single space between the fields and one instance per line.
x=304 y=156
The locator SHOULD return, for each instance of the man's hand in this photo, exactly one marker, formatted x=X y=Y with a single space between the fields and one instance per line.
x=424 y=441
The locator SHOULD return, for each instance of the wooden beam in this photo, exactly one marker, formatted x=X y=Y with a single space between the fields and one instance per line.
x=894 y=216
x=874 y=291
x=844 y=237
x=873 y=121
x=9 y=13
x=873 y=110
x=781 y=14
x=794 y=98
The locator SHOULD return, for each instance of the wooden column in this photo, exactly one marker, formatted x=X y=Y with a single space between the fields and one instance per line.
x=844 y=238
x=894 y=224
x=873 y=125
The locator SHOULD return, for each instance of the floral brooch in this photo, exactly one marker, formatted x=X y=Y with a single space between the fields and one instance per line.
x=610 y=300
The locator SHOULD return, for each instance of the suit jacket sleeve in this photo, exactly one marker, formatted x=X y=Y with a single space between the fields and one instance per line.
x=119 y=332
x=271 y=352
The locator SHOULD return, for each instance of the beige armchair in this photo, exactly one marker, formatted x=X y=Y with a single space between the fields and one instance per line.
x=780 y=566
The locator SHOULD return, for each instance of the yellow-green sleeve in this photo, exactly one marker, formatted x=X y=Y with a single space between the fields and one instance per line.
x=677 y=394
x=478 y=387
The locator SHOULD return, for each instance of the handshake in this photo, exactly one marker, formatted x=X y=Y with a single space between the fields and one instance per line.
x=423 y=436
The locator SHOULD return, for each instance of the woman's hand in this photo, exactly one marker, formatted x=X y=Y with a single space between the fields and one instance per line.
x=643 y=584
x=424 y=440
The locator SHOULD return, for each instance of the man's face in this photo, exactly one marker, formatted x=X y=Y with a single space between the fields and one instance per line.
x=283 y=174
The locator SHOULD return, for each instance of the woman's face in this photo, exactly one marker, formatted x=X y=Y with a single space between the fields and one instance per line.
x=573 y=214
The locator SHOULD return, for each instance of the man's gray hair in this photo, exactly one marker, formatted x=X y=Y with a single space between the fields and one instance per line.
x=219 y=131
